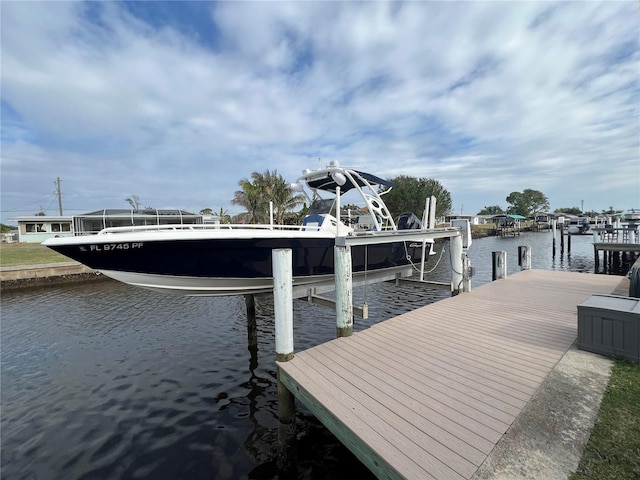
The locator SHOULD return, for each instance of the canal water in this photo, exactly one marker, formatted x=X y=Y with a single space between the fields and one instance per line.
x=105 y=381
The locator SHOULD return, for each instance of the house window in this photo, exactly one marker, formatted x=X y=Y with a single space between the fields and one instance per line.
x=60 y=227
x=35 y=227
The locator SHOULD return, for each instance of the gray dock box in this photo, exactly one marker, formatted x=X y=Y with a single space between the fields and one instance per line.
x=610 y=325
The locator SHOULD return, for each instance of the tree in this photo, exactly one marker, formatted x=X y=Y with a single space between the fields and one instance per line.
x=570 y=210
x=611 y=211
x=409 y=193
x=134 y=201
x=527 y=202
x=255 y=194
x=223 y=215
x=492 y=210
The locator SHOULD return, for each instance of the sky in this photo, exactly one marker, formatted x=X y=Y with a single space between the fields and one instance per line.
x=176 y=102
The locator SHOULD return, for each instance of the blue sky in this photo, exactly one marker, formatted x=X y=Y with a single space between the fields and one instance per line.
x=177 y=101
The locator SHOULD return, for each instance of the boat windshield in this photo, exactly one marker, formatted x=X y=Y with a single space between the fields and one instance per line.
x=321 y=205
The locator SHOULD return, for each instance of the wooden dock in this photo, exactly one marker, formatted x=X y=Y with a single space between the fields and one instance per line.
x=428 y=394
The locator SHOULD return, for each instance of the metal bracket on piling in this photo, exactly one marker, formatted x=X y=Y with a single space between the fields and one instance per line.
x=360 y=312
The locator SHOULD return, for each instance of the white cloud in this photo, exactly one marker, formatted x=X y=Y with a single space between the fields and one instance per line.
x=486 y=97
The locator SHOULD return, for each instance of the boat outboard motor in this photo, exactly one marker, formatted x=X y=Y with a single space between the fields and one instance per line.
x=408 y=221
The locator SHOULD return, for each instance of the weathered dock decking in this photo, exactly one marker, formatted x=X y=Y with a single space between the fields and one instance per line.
x=428 y=394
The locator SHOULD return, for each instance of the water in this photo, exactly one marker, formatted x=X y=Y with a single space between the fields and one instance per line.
x=106 y=381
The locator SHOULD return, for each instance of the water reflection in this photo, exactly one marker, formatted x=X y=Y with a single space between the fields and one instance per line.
x=102 y=380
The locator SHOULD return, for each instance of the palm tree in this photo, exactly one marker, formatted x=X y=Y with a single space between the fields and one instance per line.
x=263 y=188
x=134 y=201
x=224 y=216
x=249 y=197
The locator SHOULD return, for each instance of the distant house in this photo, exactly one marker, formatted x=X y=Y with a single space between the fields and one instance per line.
x=507 y=220
x=544 y=217
x=473 y=219
x=37 y=229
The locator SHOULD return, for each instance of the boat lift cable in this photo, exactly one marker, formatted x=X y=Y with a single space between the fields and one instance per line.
x=413 y=264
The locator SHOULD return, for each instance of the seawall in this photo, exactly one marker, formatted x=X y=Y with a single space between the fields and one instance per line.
x=20 y=276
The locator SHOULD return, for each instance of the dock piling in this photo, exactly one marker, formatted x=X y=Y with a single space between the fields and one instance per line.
x=283 y=311
x=499 y=265
x=466 y=273
x=524 y=257
x=344 y=291
x=252 y=334
x=457 y=267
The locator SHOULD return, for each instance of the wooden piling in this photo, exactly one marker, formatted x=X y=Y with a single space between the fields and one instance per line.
x=499 y=265
x=554 y=232
x=344 y=291
x=455 y=255
x=524 y=257
x=283 y=310
x=466 y=273
x=252 y=333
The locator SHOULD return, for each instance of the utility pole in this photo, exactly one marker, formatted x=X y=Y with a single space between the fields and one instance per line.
x=58 y=192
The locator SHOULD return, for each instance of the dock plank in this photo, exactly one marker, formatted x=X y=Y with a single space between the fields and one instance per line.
x=447 y=411
x=428 y=394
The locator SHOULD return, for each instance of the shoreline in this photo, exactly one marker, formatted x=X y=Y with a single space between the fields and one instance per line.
x=25 y=276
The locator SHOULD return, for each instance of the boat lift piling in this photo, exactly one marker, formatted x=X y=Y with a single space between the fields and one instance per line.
x=344 y=291
x=283 y=312
x=457 y=265
x=252 y=328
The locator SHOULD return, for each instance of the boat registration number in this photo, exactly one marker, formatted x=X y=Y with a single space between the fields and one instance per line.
x=108 y=247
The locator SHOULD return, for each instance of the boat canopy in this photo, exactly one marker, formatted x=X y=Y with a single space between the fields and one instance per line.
x=329 y=184
x=513 y=216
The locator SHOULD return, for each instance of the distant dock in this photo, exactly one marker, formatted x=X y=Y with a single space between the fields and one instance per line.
x=615 y=244
x=429 y=394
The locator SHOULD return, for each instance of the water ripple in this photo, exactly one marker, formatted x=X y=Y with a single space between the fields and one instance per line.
x=105 y=381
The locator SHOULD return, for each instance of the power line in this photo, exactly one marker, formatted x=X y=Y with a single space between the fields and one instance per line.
x=17 y=209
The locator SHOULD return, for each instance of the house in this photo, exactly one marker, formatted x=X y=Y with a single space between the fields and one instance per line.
x=37 y=229
x=507 y=220
x=544 y=217
x=473 y=219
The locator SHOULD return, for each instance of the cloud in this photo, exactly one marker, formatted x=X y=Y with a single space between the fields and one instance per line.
x=177 y=103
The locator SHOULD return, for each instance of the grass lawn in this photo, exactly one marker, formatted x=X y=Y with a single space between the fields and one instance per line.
x=613 y=451
x=14 y=254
